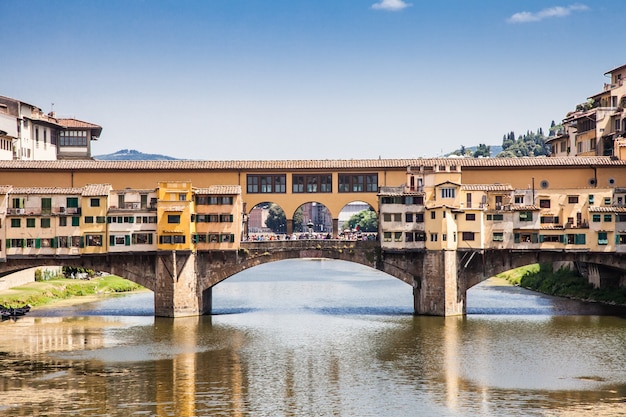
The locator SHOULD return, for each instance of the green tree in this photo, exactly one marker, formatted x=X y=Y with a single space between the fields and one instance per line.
x=482 y=150
x=297 y=220
x=276 y=219
x=366 y=220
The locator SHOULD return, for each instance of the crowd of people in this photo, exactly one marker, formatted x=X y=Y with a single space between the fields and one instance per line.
x=345 y=235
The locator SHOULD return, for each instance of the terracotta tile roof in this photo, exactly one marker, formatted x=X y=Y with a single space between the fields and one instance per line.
x=96 y=190
x=607 y=209
x=220 y=190
x=615 y=69
x=524 y=208
x=325 y=164
x=487 y=187
x=75 y=123
x=46 y=190
x=4 y=189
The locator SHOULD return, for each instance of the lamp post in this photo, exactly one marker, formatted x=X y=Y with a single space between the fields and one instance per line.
x=310 y=226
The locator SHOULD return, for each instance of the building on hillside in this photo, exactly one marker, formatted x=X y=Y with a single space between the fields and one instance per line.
x=596 y=127
x=27 y=133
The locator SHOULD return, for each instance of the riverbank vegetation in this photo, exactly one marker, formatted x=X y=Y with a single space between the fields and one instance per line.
x=46 y=291
x=562 y=283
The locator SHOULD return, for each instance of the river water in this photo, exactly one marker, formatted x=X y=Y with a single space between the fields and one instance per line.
x=317 y=338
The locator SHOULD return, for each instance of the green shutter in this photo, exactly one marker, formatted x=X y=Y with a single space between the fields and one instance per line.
x=111 y=240
x=127 y=239
x=82 y=241
x=231 y=218
x=541 y=238
x=535 y=237
x=8 y=243
x=131 y=219
x=150 y=238
x=53 y=242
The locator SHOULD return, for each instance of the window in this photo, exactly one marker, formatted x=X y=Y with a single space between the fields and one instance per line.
x=595 y=218
x=447 y=192
x=397 y=236
x=470 y=217
x=46 y=205
x=312 y=184
x=414 y=200
x=607 y=201
x=226 y=218
x=544 y=203
x=433 y=237
x=72 y=202
x=386 y=236
x=73 y=138
x=173 y=218
x=549 y=219
x=519 y=199
x=182 y=196
x=120 y=201
x=572 y=199
x=408 y=217
x=93 y=240
x=226 y=201
x=102 y=219
x=30 y=222
x=419 y=217
x=94 y=202
x=498 y=236
x=266 y=184
x=142 y=239
x=45 y=222
x=358 y=183
x=526 y=216
x=591 y=199
x=75 y=221
x=172 y=239
x=608 y=218
x=62 y=221
x=603 y=238
x=16 y=222
x=386 y=217
x=88 y=219
x=468 y=236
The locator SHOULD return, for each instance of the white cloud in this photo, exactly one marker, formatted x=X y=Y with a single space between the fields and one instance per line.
x=390 y=5
x=558 y=11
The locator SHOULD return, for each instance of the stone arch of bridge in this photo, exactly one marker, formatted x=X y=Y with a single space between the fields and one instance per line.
x=139 y=268
x=472 y=270
x=214 y=268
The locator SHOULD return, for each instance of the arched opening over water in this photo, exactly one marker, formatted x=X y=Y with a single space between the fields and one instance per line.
x=316 y=286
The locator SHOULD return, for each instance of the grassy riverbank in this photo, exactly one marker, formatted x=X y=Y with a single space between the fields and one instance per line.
x=562 y=283
x=44 y=292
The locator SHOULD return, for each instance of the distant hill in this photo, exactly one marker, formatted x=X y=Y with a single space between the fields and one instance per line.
x=493 y=149
x=132 y=155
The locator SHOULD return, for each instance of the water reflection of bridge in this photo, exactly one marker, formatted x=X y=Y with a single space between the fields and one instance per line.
x=183 y=280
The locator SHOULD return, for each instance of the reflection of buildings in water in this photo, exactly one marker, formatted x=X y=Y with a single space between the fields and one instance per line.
x=33 y=335
x=452 y=360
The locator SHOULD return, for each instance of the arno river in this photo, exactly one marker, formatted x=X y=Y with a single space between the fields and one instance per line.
x=317 y=338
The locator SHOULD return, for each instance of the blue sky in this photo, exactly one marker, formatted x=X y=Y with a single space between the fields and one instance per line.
x=315 y=79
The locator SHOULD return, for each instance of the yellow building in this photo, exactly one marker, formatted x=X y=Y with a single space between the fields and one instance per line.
x=94 y=209
x=174 y=211
x=218 y=217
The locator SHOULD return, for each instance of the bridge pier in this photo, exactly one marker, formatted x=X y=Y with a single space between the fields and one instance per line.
x=177 y=293
x=438 y=292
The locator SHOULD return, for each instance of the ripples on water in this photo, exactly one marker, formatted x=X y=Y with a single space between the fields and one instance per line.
x=317 y=338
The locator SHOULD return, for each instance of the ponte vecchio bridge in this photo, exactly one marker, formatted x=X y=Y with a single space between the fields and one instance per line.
x=444 y=224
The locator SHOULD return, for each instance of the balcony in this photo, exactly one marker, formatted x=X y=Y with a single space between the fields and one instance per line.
x=133 y=206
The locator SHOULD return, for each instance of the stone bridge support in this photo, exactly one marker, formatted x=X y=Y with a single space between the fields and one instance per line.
x=177 y=293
